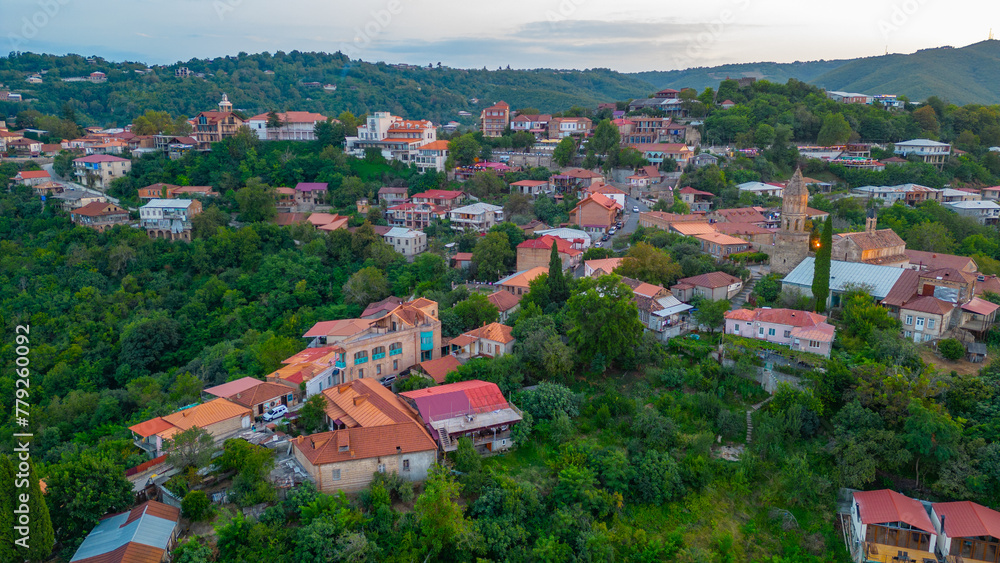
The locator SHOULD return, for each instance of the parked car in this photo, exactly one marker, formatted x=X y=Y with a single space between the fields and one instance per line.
x=619 y=224
x=387 y=380
x=275 y=413
x=604 y=238
x=635 y=209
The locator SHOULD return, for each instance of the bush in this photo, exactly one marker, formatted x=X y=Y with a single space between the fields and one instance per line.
x=549 y=400
x=732 y=425
x=196 y=506
x=951 y=349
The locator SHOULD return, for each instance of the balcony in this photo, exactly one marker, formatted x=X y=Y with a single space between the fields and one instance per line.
x=396 y=352
x=378 y=356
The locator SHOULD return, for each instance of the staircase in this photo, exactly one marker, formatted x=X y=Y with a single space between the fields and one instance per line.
x=750 y=412
x=445 y=439
x=744 y=294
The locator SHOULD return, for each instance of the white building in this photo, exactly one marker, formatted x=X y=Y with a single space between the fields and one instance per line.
x=397 y=138
x=760 y=188
x=986 y=211
x=577 y=238
x=169 y=218
x=931 y=152
x=479 y=217
x=295 y=126
x=408 y=242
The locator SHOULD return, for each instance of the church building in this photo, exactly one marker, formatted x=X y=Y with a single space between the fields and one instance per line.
x=881 y=247
x=791 y=243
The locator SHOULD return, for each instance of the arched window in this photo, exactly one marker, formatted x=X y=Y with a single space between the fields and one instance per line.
x=360 y=357
x=395 y=348
x=378 y=352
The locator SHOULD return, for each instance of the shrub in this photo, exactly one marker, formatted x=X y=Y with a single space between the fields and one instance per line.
x=196 y=506
x=951 y=349
x=732 y=425
x=549 y=400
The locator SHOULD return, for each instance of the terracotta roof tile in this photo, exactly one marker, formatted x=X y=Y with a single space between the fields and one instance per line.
x=493 y=331
x=503 y=300
x=878 y=239
x=711 y=280
x=260 y=393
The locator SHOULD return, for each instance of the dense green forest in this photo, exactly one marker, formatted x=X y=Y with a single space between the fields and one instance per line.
x=433 y=93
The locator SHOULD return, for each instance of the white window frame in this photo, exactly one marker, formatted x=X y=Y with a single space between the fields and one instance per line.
x=909 y=320
x=920 y=324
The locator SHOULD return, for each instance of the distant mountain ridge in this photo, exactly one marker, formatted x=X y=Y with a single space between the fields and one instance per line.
x=967 y=75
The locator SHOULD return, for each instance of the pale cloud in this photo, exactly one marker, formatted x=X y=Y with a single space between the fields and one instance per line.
x=627 y=35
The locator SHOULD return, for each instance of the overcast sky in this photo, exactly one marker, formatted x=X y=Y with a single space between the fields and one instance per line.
x=626 y=35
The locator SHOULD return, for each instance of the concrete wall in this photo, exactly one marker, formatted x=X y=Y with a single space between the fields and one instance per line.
x=357 y=474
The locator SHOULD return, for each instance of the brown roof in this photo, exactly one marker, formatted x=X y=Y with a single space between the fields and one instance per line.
x=741 y=229
x=928 y=304
x=362 y=443
x=904 y=288
x=935 y=260
x=991 y=284
x=741 y=215
x=719 y=238
x=131 y=552
x=711 y=280
x=980 y=306
x=98 y=208
x=949 y=274
x=440 y=368
x=493 y=331
x=259 y=394
x=878 y=239
x=503 y=300
x=285 y=219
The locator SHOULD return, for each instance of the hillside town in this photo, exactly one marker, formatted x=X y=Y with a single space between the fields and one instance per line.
x=381 y=306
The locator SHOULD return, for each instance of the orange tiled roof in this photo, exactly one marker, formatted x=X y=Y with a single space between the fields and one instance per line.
x=365 y=403
x=206 y=414
x=503 y=300
x=493 y=331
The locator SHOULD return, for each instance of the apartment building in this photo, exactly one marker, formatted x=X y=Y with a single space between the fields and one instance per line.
x=396 y=138
x=495 y=119
x=169 y=218
x=377 y=347
x=293 y=126
x=408 y=242
x=930 y=152
x=214 y=126
x=99 y=170
x=478 y=217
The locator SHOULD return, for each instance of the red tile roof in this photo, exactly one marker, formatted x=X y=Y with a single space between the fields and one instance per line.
x=883 y=506
x=364 y=443
x=440 y=368
x=690 y=190
x=789 y=317
x=28 y=174
x=965 y=519
x=936 y=260
x=150 y=427
x=545 y=242
x=438 y=194
x=100 y=158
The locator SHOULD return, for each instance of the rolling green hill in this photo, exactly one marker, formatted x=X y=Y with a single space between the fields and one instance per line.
x=260 y=82
x=705 y=77
x=967 y=75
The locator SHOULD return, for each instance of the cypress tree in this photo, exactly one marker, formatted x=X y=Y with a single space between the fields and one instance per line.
x=42 y=535
x=558 y=288
x=821 y=274
x=7 y=552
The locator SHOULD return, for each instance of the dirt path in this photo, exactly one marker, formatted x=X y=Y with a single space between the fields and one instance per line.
x=962 y=367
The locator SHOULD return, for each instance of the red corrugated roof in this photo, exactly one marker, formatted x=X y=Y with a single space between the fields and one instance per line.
x=965 y=519
x=457 y=399
x=880 y=507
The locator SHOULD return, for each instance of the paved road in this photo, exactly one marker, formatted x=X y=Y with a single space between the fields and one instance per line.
x=48 y=168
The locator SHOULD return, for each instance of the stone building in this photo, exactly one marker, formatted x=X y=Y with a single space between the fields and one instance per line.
x=882 y=247
x=791 y=244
